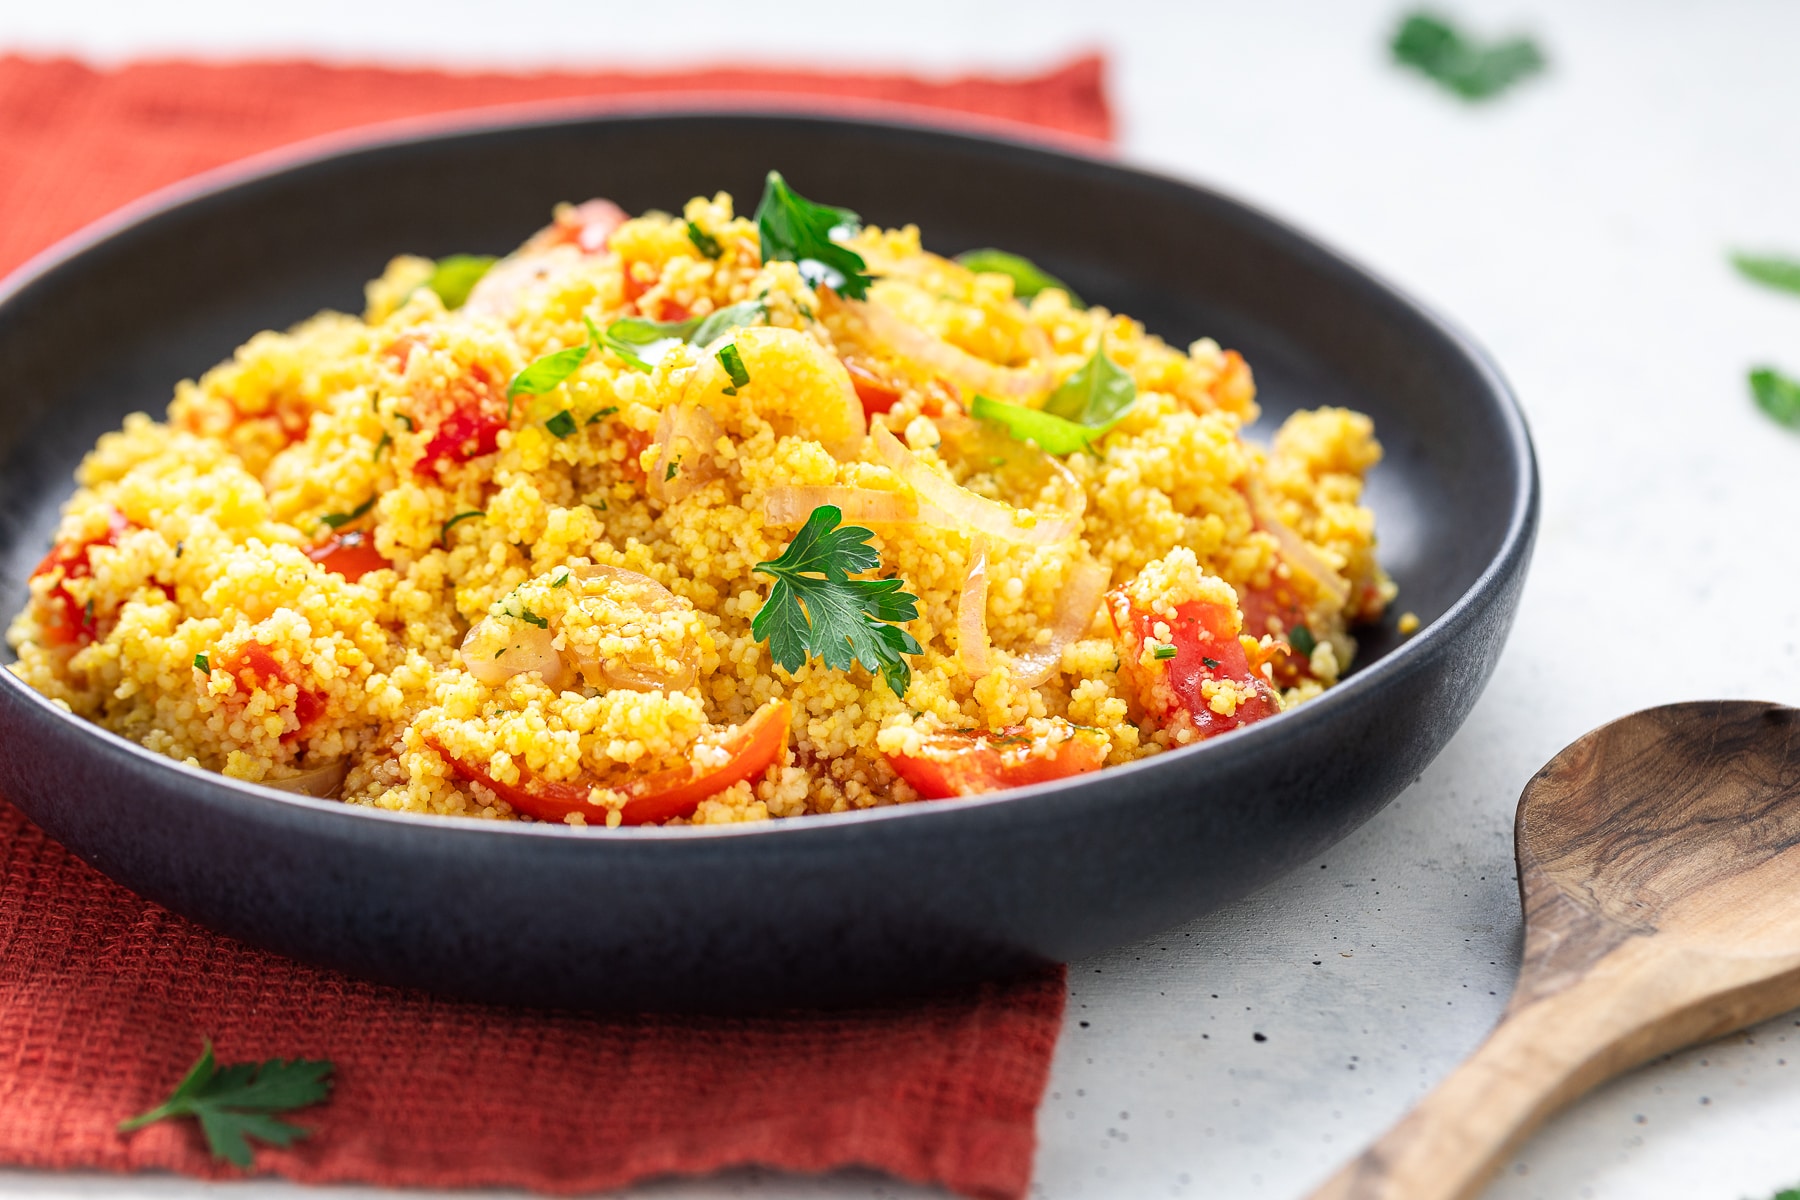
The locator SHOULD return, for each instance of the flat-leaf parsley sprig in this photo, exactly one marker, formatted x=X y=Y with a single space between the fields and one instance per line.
x=236 y=1103
x=816 y=610
x=797 y=230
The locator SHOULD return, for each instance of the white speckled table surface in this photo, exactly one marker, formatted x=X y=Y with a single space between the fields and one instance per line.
x=1577 y=228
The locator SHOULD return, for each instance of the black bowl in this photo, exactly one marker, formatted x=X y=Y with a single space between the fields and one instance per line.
x=826 y=909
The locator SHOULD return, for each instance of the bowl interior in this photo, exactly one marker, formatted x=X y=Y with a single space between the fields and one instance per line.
x=87 y=342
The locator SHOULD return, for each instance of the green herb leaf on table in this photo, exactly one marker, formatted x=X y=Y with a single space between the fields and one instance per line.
x=643 y=343
x=703 y=241
x=1770 y=270
x=1462 y=65
x=453 y=278
x=794 y=229
x=339 y=519
x=1028 y=278
x=1777 y=395
x=236 y=1103
x=815 y=608
x=1078 y=413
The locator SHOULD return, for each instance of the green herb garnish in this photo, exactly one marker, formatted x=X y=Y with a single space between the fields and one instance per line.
x=1212 y=664
x=387 y=440
x=643 y=344
x=1773 y=270
x=1302 y=640
x=608 y=411
x=816 y=610
x=201 y=664
x=409 y=421
x=453 y=278
x=1028 y=278
x=236 y=1103
x=1777 y=395
x=1471 y=70
x=734 y=366
x=531 y=618
x=1164 y=652
x=562 y=424
x=458 y=519
x=560 y=581
x=703 y=241
x=794 y=229
x=546 y=373
x=337 y=520
x=1077 y=414
x=674 y=466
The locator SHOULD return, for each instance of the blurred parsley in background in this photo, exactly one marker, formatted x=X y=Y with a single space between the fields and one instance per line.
x=1474 y=71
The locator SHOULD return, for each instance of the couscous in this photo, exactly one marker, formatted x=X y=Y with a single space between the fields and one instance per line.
x=703 y=519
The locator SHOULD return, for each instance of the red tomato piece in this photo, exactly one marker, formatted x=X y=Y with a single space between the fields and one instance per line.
x=255 y=666
x=877 y=394
x=68 y=622
x=351 y=554
x=1206 y=648
x=966 y=762
x=587 y=226
x=651 y=799
x=1279 y=602
x=471 y=430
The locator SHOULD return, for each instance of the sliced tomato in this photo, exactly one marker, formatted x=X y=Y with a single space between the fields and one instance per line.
x=1206 y=648
x=68 y=622
x=1276 y=610
x=351 y=554
x=650 y=799
x=471 y=430
x=877 y=393
x=255 y=666
x=966 y=762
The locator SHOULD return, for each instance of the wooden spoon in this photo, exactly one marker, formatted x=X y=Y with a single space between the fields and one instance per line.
x=1659 y=867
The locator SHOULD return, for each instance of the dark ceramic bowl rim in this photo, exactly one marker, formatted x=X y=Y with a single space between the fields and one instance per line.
x=1387 y=670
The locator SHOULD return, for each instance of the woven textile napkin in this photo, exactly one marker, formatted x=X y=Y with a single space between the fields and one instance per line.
x=105 y=998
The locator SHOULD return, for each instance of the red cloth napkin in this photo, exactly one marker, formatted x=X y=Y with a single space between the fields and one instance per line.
x=105 y=998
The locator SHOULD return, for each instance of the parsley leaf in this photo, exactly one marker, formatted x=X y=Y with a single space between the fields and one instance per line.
x=235 y=1103
x=1028 y=278
x=1302 y=640
x=335 y=520
x=1769 y=269
x=453 y=278
x=1470 y=69
x=1212 y=664
x=644 y=343
x=1077 y=414
x=1777 y=395
x=562 y=424
x=794 y=229
x=816 y=610
x=703 y=241
x=547 y=372
x=733 y=362
x=201 y=663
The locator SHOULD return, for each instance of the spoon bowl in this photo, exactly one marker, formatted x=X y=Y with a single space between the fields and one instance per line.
x=1659 y=869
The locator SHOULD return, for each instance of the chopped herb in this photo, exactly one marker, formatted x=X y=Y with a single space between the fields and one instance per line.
x=1775 y=271
x=458 y=519
x=1462 y=65
x=88 y=610
x=1077 y=414
x=816 y=610
x=1164 y=652
x=608 y=411
x=501 y=650
x=453 y=278
x=703 y=241
x=674 y=466
x=1301 y=638
x=734 y=366
x=1212 y=664
x=531 y=618
x=338 y=520
x=600 y=507
x=562 y=424
x=794 y=229
x=387 y=440
x=178 y=548
x=546 y=374
x=643 y=344
x=1028 y=278
x=1777 y=395
x=409 y=421
x=201 y=663
x=560 y=581
x=236 y=1103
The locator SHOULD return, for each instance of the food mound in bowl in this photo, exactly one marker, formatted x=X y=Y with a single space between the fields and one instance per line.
x=703 y=519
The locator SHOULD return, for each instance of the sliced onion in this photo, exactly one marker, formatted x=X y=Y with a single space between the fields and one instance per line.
x=971 y=613
x=981 y=443
x=499 y=293
x=1294 y=548
x=649 y=596
x=685 y=440
x=939 y=357
x=969 y=512
x=321 y=781
x=1075 y=604
x=527 y=648
x=792 y=504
